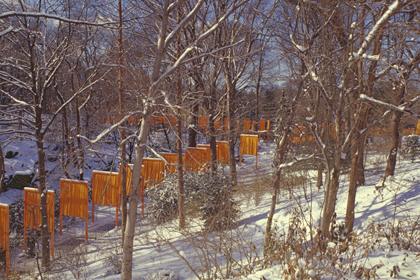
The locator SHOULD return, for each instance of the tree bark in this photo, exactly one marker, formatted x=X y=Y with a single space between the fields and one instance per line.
x=2 y=169
x=193 y=127
x=395 y=140
x=127 y=262
x=232 y=131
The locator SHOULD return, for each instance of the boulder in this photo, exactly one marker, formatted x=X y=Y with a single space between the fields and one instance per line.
x=18 y=181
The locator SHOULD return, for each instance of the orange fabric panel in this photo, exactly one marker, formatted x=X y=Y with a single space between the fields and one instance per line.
x=129 y=171
x=249 y=144
x=154 y=169
x=173 y=160
x=409 y=131
x=74 y=199
x=195 y=159
x=262 y=125
x=108 y=182
x=222 y=152
x=217 y=124
x=226 y=124
x=207 y=147
x=4 y=232
x=247 y=124
x=202 y=123
x=253 y=126
x=132 y=120
x=4 y=226
x=418 y=128
x=170 y=120
x=32 y=209
x=156 y=119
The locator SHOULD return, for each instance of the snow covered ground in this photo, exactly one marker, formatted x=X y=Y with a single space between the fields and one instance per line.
x=385 y=243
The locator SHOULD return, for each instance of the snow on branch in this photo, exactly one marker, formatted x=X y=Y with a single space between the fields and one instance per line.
x=8 y=30
x=193 y=46
x=294 y=161
x=51 y=16
x=112 y=128
x=393 y=9
x=402 y=108
x=20 y=102
x=183 y=22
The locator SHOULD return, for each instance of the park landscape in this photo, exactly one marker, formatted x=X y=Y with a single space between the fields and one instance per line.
x=209 y=139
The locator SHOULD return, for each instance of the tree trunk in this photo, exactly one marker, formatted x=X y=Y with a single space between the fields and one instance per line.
x=232 y=128
x=127 y=262
x=319 y=175
x=213 y=146
x=395 y=140
x=353 y=184
x=42 y=188
x=180 y=173
x=333 y=184
x=2 y=169
x=80 y=154
x=123 y=170
x=193 y=127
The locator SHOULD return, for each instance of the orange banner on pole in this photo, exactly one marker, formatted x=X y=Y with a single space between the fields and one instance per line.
x=195 y=159
x=247 y=124
x=154 y=171
x=222 y=151
x=4 y=234
x=249 y=146
x=129 y=172
x=202 y=123
x=74 y=201
x=262 y=125
x=217 y=124
x=170 y=120
x=32 y=213
x=106 y=190
x=207 y=147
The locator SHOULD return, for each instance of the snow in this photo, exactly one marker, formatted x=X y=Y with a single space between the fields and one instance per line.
x=165 y=252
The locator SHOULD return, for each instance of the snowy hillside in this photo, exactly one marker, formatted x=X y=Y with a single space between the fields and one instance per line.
x=385 y=243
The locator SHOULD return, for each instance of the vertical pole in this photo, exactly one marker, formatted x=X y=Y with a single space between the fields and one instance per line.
x=7 y=245
x=25 y=201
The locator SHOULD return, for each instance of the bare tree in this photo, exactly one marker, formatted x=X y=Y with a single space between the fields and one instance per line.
x=37 y=51
x=160 y=71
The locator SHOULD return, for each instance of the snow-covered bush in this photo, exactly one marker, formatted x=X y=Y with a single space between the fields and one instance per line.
x=206 y=196
x=411 y=147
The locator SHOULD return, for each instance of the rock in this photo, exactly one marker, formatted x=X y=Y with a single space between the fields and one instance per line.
x=18 y=181
x=11 y=154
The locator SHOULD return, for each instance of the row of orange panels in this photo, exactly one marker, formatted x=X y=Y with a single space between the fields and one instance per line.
x=248 y=124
